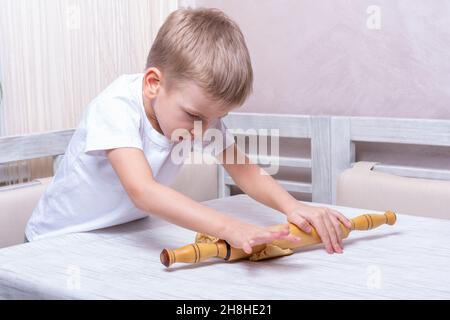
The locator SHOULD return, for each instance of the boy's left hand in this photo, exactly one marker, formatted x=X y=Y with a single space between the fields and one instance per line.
x=325 y=221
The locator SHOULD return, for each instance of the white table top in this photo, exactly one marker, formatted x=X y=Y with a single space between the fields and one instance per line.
x=406 y=261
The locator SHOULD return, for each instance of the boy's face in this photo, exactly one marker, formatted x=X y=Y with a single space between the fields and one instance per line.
x=180 y=107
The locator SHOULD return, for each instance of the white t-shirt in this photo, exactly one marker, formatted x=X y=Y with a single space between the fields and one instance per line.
x=85 y=193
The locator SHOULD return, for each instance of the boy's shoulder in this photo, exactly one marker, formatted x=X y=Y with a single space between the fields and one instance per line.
x=126 y=85
x=126 y=90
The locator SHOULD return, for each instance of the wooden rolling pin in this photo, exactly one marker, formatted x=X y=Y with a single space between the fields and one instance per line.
x=198 y=252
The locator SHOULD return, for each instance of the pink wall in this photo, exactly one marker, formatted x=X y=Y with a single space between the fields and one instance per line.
x=319 y=57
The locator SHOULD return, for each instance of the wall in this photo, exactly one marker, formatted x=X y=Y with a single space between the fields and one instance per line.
x=330 y=58
x=55 y=56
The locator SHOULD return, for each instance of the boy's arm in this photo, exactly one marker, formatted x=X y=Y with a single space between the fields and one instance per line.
x=147 y=194
x=263 y=188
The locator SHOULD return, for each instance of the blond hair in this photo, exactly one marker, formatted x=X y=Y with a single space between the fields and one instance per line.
x=205 y=46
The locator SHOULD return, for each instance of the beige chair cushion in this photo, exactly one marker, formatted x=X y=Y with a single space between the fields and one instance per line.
x=361 y=187
x=17 y=204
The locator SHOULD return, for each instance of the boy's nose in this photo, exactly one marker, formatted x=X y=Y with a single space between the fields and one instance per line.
x=194 y=134
x=199 y=134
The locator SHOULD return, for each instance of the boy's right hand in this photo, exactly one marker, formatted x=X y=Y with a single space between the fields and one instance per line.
x=244 y=236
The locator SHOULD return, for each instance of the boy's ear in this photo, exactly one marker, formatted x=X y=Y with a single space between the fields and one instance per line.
x=152 y=82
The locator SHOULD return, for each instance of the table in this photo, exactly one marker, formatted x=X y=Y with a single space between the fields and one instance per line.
x=406 y=261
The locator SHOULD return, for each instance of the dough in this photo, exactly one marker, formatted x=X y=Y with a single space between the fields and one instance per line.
x=204 y=238
x=269 y=252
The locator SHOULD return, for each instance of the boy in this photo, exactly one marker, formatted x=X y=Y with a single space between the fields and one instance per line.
x=117 y=166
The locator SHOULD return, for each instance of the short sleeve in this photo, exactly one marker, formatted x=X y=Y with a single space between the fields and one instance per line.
x=110 y=124
x=218 y=139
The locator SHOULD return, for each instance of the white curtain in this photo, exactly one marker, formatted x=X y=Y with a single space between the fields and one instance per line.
x=55 y=56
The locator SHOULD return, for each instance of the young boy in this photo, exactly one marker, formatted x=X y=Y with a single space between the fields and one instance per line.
x=118 y=163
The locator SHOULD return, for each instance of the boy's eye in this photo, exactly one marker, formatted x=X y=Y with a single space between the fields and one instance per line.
x=193 y=116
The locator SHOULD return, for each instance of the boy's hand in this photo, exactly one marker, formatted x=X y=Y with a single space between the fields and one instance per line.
x=243 y=235
x=326 y=223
